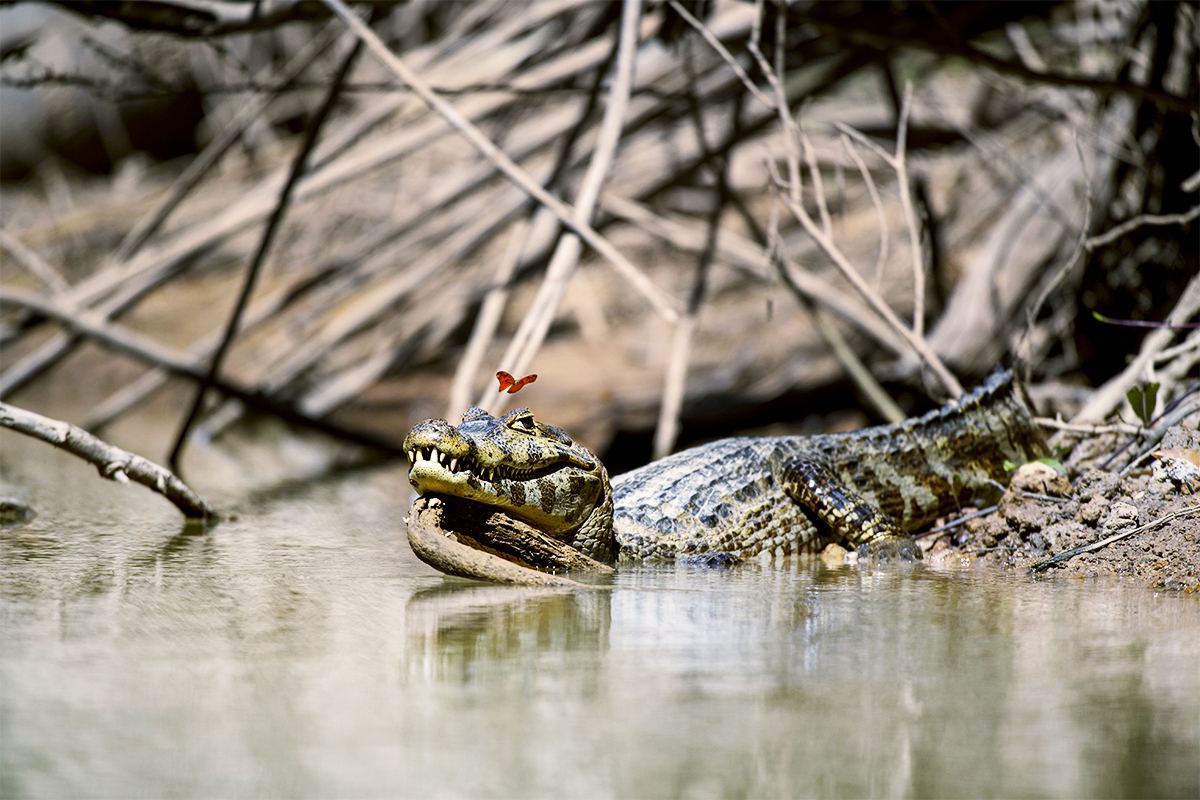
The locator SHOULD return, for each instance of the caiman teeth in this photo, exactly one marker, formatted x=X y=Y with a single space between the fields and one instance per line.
x=460 y=464
x=448 y=462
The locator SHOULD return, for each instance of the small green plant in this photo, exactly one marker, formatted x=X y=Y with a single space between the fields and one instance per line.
x=1054 y=460
x=1142 y=399
x=1049 y=461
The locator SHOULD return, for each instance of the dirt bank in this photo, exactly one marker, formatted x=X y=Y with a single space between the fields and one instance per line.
x=1043 y=515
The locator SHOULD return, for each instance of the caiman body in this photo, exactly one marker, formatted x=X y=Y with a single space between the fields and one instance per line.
x=742 y=496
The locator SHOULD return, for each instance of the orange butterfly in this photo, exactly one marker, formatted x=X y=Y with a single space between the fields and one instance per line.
x=512 y=384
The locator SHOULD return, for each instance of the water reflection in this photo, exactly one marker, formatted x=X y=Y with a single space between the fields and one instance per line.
x=301 y=650
x=463 y=631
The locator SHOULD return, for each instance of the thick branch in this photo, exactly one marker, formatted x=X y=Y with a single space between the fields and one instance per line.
x=112 y=462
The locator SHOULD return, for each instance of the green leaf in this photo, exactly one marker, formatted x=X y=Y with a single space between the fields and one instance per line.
x=1009 y=466
x=1054 y=464
x=1142 y=400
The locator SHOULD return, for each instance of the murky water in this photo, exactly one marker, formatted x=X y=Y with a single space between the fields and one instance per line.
x=302 y=651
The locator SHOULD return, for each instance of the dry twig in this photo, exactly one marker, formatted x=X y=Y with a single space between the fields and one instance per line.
x=843 y=264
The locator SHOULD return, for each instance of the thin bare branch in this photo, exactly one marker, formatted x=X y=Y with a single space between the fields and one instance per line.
x=1109 y=236
x=111 y=461
x=1031 y=313
x=723 y=52
x=663 y=303
x=37 y=266
x=900 y=163
x=876 y=201
x=533 y=329
x=814 y=173
x=855 y=368
x=848 y=271
x=791 y=139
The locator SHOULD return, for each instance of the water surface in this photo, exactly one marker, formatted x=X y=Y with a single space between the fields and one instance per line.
x=302 y=651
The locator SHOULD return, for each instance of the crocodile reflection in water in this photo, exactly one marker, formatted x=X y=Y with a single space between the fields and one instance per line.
x=730 y=499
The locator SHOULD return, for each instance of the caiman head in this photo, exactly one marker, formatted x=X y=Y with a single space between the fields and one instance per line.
x=523 y=468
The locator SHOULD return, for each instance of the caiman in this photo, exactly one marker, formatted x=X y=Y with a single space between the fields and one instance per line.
x=517 y=489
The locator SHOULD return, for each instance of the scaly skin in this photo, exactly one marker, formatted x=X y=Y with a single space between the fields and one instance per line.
x=743 y=496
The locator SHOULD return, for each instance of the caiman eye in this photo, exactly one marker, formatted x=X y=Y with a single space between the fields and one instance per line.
x=524 y=423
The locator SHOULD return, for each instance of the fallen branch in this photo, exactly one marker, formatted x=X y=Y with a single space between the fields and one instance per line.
x=112 y=462
x=436 y=542
x=1045 y=564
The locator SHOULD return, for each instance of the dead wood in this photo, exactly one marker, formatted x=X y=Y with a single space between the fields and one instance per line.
x=111 y=461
